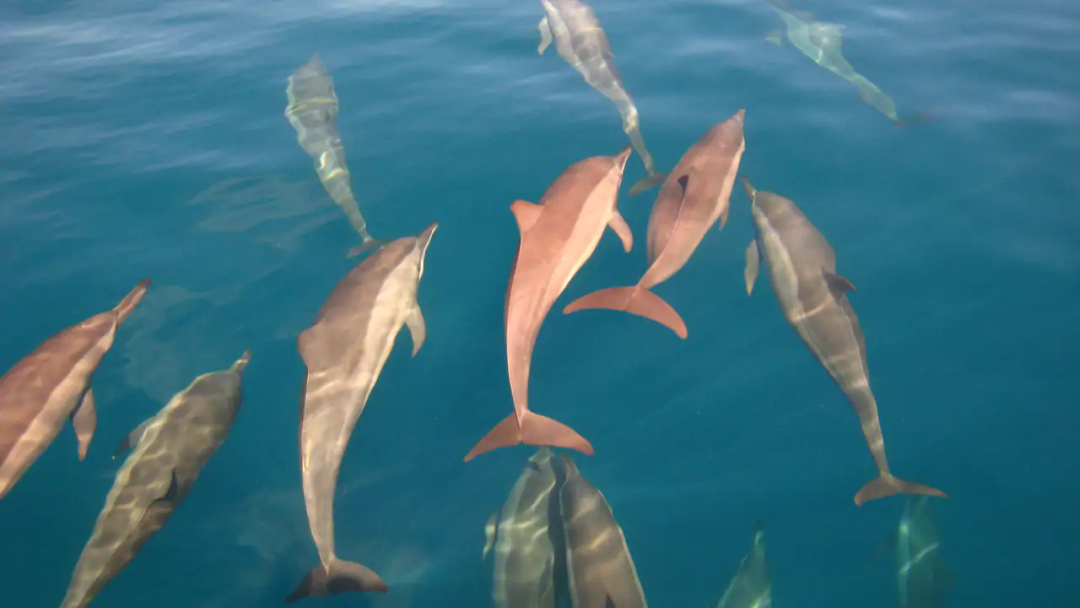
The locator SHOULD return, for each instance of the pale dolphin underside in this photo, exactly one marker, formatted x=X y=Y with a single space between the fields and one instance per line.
x=921 y=577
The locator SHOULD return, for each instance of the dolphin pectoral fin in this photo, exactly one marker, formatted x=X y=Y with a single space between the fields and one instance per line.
x=545 y=36
x=887 y=485
x=526 y=214
x=838 y=285
x=168 y=500
x=887 y=544
x=619 y=225
x=84 y=420
x=753 y=263
x=417 y=328
x=609 y=603
x=131 y=439
x=648 y=183
x=339 y=576
x=774 y=37
x=489 y=533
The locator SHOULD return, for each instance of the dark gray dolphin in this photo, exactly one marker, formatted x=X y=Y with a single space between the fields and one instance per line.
x=802 y=270
x=170 y=450
x=752 y=586
x=921 y=577
x=312 y=109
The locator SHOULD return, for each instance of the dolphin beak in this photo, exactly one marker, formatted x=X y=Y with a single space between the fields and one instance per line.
x=750 y=191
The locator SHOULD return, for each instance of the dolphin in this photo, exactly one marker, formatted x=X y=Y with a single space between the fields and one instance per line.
x=695 y=195
x=313 y=106
x=557 y=238
x=581 y=41
x=52 y=384
x=822 y=43
x=598 y=562
x=752 y=586
x=344 y=352
x=921 y=577
x=813 y=298
x=170 y=450
x=527 y=538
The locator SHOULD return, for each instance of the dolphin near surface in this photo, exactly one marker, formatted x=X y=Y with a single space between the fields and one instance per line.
x=921 y=577
x=601 y=571
x=695 y=195
x=580 y=40
x=752 y=586
x=557 y=237
x=802 y=269
x=52 y=385
x=312 y=110
x=527 y=537
x=344 y=351
x=170 y=450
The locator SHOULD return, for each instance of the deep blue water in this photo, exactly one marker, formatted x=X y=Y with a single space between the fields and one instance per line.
x=147 y=139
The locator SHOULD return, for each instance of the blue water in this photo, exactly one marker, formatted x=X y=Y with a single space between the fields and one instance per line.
x=147 y=139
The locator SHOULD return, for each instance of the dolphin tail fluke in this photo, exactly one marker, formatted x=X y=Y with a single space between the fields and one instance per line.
x=648 y=183
x=887 y=485
x=535 y=430
x=504 y=435
x=368 y=244
x=633 y=300
x=131 y=300
x=340 y=577
x=918 y=118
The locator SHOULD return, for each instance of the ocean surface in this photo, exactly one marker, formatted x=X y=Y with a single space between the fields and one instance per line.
x=147 y=139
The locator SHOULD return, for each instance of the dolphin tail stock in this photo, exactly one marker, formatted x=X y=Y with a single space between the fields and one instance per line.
x=633 y=300
x=339 y=576
x=887 y=485
x=367 y=244
x=534 y=429
x=648 y=183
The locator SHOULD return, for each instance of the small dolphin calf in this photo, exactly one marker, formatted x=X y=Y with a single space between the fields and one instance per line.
x=802 y=269
x=171 y=449
x=921 y=577
x=695 y=195
x=344 y=352
x=51 y=385
x=312 y=109
x=601 y=571
x=527 y=536
x=752 y=586
x=581 y=41
x=557 y=237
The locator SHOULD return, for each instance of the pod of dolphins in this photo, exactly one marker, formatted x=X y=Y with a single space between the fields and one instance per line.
x=556 y=536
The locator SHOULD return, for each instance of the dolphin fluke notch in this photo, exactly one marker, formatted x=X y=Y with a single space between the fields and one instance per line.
x=340 y=577
x=535 y=430
x=887 y=485
x=633 y=300
x=648 y=183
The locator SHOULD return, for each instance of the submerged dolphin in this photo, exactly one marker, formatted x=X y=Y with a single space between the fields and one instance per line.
x=802 y=270
x=921 y=577
x=527 y=538
x=695 y=195
x=822 y=43
x=557 y=237
x=601 y=571
x=752 y=586
x=51 y=385
x=312 y=109
x=344 y=352
x=581 y=41
x=171 y=449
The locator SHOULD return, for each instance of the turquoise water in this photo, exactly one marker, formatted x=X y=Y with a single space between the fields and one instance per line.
x=147 y=139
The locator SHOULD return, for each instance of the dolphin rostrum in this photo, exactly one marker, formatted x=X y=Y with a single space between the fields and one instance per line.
x=601 y=571
x=921 y=576
x=527 y=538
x=51 y=385
x=695 y=195
x=813 y=298
x=344 y=352
x=752 y=586
x=170 y=450
x=581 y=41
x=312 y=109
x=822 y=43
x=557 y=238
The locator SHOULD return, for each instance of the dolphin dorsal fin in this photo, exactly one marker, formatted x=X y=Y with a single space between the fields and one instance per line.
x=838 y=285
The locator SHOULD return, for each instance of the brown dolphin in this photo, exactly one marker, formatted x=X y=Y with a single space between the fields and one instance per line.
x=170 y=450
x=344 y=352
x=802 y=270
x=557 y=237
x=693 y=197
x=598 y=562
x=52 y=384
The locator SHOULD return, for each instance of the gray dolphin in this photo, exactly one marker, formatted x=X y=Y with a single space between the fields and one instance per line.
x=527 y=538
x=170 y=450
x=51 y=385
x=581 y=41
x=802 y=270
x=344 y=352
x=312 y=109
x=601 y=571
x=752 y=586
x=921 y=577
x=822 y=43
